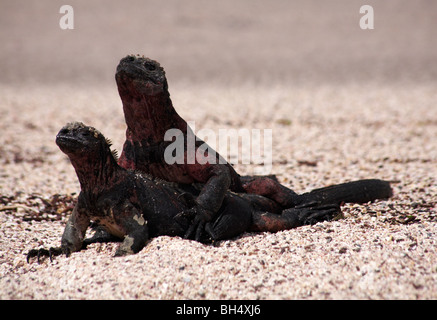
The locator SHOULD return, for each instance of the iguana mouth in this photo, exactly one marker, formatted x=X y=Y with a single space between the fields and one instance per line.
x=133 y=73
x=68 y=142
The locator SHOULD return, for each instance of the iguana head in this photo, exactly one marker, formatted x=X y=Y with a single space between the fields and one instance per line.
x=78 y=140
x=147 y=106
x=140 y=75
x=90 y=154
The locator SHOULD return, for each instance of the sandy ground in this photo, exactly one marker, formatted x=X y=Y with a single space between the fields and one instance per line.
x=343 y=104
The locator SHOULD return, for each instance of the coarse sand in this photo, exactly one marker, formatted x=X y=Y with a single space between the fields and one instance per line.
x=381 y=250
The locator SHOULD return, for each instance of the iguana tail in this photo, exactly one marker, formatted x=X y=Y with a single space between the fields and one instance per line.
x=360 y=191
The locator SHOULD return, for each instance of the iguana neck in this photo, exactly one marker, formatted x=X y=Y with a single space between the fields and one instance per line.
x=148 y=117
x=96 y=174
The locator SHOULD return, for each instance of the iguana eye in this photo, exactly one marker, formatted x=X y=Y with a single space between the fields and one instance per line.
x=149 y=66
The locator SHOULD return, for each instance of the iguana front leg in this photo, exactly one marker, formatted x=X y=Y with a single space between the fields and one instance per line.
x=74 y=232
x=72 y=237
x=209 y=201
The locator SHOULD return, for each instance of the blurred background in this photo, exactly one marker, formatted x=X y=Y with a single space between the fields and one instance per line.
x=226 y=42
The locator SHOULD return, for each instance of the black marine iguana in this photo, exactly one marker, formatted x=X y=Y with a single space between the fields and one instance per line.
x=133 y=206
x=149 y=113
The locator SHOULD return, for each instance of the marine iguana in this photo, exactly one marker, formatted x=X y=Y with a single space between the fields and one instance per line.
x=149 y=113
x=132 y=206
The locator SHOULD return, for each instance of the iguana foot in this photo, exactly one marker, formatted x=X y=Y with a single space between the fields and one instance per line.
x=52 y=252
x=313 y=212
x=199 y=219
x=295 y=217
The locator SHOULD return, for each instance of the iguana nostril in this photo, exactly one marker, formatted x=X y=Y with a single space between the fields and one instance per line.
x=64 y=132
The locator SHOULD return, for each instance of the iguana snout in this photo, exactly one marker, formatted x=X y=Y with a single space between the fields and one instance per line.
x=140 y=74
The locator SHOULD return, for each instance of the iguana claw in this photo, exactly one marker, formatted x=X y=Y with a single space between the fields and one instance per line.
x=199 y=217
x=51 y=252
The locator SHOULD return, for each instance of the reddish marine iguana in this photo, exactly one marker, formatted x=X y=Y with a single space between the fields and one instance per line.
x=133 y=206
x=149 y=113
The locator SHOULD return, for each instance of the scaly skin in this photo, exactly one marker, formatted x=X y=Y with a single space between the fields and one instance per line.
x=133 y=207
x=149 y=113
